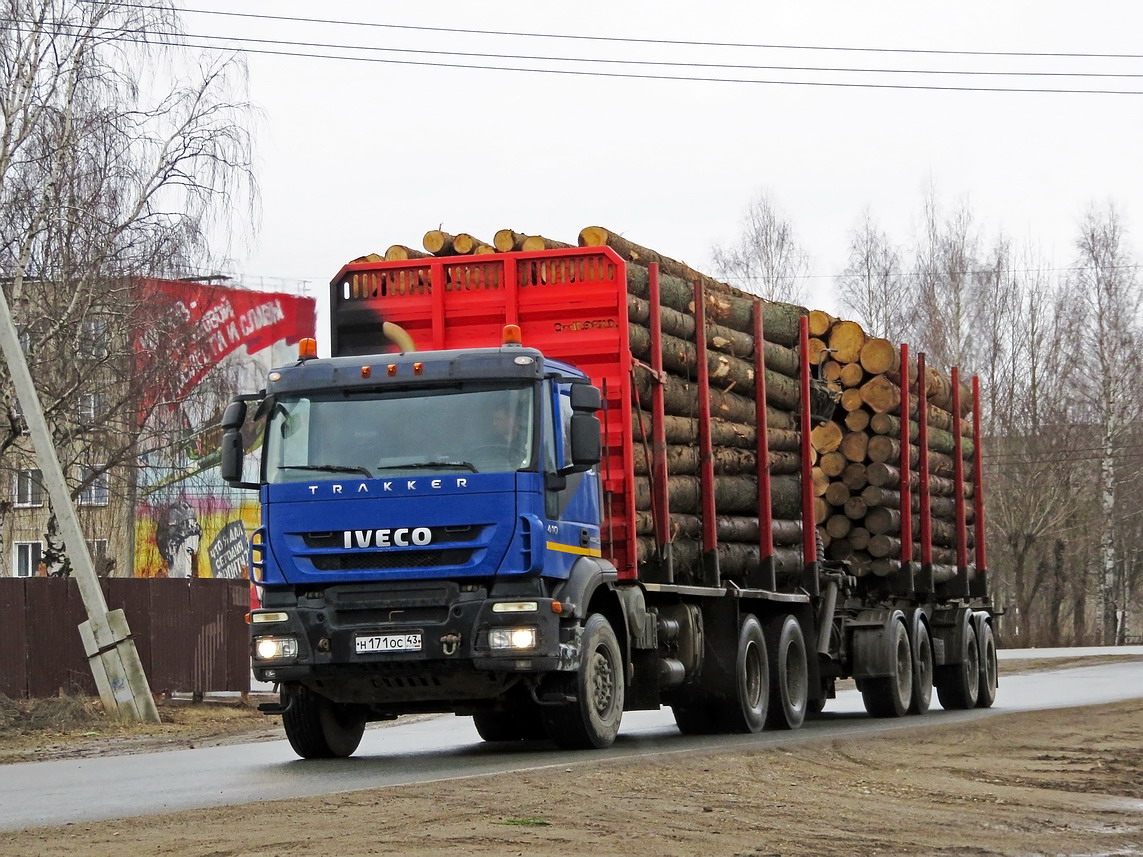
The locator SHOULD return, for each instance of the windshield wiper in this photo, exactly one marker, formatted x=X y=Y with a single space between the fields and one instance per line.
x=327 y=468
x=419 y=465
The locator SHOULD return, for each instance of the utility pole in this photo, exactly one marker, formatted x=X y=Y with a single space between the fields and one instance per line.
x=107 y=640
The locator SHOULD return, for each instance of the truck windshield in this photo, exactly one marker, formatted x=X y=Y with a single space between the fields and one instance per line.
x=330 y=435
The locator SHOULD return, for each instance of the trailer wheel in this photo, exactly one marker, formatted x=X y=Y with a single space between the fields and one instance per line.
x=922 y=667
x=518 y=724
x=592 y=720
x=319 y=728
x=789 y=673
x=891 y=695
x=988 y=668
x=958 y=685
x=746 y=712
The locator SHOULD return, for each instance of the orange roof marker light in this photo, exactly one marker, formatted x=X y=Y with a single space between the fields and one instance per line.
x=307 y=349
x=512 y=335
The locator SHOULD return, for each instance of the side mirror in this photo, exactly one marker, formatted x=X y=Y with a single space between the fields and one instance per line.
x=234 y=415
x=232 y=451
x=585 y=398
x=586 y=447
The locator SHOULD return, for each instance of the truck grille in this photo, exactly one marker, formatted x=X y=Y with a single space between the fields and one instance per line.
x=389 y=560
x=440 y=535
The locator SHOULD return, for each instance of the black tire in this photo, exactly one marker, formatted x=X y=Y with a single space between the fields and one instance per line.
x=922 y=667
x=592 y=721
x=891 y=696
x=958 y=684
x=789 y=673
x=517 y=724
x=989 y=669
x=746 y=712
x=318 y=728
x=696 y=719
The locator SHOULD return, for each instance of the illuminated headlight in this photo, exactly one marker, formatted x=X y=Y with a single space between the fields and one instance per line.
x=512 y=638
x=275 y=648
x=515 y=607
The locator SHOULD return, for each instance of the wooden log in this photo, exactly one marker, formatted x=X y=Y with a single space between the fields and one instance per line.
x=880 y=394
x=507 y=240
x=854 y=445
x=820 y=482
x=535 y=243
x=826 y=437
x=736 y=560
x=838 y=526
x=822 y=510
x=854 y=476
x=836 y=494
x=939 y=439
x=727 y=460
x=736 y=311
x=832 y=463
x=719 y=337
x=852 y=375
x=855 y=508
x=465 y=244
x=681 y=399
x=890 y=546
x=887 y=449
x=859 y=538
x=733 y=495
x=938 y=388
x=887 y=476
x=731 y=528
x=941 y=507
x=684 y=430
x=820 y=322
x=857 y=420
x=401 y=253
x=438 y=242
x=879 y=356
x=846 y=339
x=830 y=371
x=851 y=400
x=483 y=250
x=819 y=351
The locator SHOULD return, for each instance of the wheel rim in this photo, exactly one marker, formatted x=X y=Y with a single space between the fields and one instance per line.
x=795 y=677
x=602 y=682
x=752 y=668
x=971 y=661
x=904 y=666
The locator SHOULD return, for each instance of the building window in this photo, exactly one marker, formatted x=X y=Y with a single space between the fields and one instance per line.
x=29 y=555
x=95 y=491
x=92 y=406
x=29 y=488
x=93 y=338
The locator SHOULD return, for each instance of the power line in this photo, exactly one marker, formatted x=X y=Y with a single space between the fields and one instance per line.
x=243 y=40
x=635 y=40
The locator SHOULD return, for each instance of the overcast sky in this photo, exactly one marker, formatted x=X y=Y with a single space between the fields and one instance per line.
x=355 y=156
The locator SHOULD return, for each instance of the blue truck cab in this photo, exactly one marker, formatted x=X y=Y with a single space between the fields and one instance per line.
x=429 y=521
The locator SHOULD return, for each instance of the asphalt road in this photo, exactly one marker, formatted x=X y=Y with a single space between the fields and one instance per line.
x=58 y=792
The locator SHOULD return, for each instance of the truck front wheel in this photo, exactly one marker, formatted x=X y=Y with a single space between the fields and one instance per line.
x=319 y=728
x=592 y=720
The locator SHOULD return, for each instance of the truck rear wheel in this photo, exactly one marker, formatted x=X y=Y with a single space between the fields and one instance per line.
x=922 y=667
x=958 y=685
x=592 y=720
x=319 y=728
x=891 y=695
x=989 y=677
x=747 y=711
x=789 y=673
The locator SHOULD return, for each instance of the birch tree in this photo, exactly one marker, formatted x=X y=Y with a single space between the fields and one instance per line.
x=872 y=286
x=766 y=260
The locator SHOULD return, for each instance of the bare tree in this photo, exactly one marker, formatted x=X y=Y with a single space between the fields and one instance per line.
x=872 y=285
x=1107 y=286
x=766 y=260
x=111 y=171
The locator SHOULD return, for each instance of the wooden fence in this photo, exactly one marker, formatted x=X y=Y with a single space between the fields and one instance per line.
x=191 y=634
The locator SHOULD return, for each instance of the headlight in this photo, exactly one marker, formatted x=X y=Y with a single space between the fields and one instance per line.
x=512 y=638
x=275 y=648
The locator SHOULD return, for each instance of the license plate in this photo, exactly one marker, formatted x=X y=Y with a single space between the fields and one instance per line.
x=373 y=643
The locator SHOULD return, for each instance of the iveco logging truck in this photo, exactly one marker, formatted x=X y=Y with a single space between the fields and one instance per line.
x=523 y=490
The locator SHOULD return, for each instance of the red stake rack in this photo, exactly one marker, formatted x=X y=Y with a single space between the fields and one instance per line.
x=809 y=525
x=979 y=584
x=710 y=571
x=958 y=479
x=925 y=500
x=660 y=495
x=906 y=467
x=762 y=447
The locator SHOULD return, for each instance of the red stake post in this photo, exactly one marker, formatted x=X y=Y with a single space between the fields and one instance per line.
x=660 y=496
x=711 y=575
x=762 y=447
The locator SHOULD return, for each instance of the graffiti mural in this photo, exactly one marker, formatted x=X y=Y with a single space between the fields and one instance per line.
x=188 y=522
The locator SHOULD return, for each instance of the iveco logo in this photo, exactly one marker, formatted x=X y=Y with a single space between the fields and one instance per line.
x=400 y=537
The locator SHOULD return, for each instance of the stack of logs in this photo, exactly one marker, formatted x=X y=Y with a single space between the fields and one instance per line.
x=857 y=477
x=857 y=453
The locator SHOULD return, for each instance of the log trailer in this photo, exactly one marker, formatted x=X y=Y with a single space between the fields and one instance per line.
x=470 y=508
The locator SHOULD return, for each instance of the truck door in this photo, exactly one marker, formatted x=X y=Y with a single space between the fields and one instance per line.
x=572 y=501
